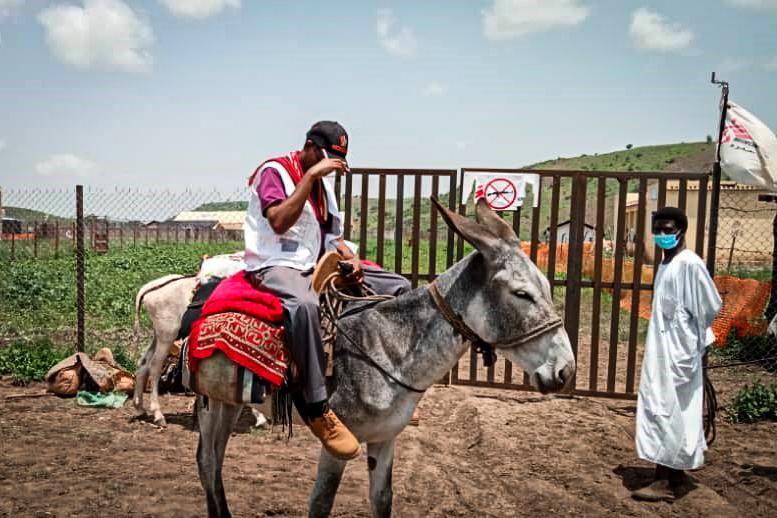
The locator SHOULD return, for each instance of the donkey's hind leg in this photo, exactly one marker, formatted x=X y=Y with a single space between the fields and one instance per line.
x=216 y=420
x=141 y=377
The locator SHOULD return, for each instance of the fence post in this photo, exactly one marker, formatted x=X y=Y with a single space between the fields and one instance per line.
x=80 y=268
x=575 y=261
x=716 y=173
x=35 y=240
x=56 y=239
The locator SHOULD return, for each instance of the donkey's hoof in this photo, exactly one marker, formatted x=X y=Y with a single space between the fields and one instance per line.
x=160 y=421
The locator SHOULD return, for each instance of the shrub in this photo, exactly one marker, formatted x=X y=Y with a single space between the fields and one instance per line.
x=26 y=362
x=752 y=403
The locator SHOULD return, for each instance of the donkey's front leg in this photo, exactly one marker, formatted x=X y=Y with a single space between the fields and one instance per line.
x=380 y=462
x=330 y=473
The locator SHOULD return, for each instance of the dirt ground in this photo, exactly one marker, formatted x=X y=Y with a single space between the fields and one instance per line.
x=477 y=452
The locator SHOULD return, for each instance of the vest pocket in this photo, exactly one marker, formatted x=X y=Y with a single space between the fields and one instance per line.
x=289 y=245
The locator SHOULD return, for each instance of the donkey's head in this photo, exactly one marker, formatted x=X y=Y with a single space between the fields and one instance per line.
x=508 y=302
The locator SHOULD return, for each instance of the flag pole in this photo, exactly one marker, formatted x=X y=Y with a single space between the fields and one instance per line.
x=716 y=174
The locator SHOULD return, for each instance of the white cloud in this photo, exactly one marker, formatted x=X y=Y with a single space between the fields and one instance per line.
x=508 y=19
x=101 y=33
x=199 y=8
x=754 y=4
x=434 y=89
x=651 y=31
x=66 y=164
x=399 y=41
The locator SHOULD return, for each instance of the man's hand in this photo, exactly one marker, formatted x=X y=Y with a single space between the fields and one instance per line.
x=327 y=166
x=357 y=275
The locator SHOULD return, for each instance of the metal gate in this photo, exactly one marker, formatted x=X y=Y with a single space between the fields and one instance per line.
x=590 y=234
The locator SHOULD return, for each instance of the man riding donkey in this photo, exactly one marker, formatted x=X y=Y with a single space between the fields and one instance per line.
x=292 y=220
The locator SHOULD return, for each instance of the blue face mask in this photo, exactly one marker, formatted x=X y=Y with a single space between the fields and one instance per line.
x=666 y=241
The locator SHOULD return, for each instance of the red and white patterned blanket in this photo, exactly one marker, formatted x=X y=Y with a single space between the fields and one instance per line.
x=244 y=324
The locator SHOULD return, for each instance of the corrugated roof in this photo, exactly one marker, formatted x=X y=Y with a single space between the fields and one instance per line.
x=223 y=217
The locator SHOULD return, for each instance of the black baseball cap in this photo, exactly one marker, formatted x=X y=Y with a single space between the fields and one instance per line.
x=331 y=136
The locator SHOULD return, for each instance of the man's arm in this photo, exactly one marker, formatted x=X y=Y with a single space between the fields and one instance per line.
x=284 y=214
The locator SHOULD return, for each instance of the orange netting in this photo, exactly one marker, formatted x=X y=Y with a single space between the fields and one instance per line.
x=744 y=300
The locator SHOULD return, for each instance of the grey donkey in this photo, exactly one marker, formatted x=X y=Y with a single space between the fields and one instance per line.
x=387 y=356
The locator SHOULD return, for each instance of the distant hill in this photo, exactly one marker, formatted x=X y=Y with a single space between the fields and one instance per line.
x=693 y=156
x=31 y=215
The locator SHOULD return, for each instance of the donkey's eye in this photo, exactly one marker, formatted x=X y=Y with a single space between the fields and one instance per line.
x=523 y=295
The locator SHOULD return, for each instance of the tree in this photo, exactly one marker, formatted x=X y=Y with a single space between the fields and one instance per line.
x=629 y=146
x=709 y=139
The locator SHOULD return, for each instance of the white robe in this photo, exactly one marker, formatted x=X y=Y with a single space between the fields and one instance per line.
x=670 y=428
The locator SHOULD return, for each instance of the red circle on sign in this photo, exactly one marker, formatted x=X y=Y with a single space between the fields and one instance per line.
x=500 y=193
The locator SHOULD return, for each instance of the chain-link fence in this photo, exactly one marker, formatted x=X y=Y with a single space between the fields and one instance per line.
x=744 y=258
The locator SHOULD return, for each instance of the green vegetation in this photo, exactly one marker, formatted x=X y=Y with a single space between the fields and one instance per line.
x=757 y=402
x=222 y=206
x=26 y=362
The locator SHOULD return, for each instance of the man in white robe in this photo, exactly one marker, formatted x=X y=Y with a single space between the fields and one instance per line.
x=670 y=429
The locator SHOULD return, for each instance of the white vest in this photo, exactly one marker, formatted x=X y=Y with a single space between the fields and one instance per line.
x=299 y=246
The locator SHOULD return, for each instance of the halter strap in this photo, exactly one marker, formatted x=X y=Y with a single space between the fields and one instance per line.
x=487 y=349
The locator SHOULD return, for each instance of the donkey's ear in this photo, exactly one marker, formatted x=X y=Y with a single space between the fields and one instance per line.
x=489 y=219
x=474 y=233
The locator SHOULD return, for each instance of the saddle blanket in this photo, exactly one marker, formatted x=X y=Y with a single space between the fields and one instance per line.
x=244 y=324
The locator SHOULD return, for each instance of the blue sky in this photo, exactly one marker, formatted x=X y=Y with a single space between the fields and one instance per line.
x=173 y=93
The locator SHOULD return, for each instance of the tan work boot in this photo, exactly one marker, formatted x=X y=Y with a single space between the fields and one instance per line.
x=658 y=491
x=335 y=436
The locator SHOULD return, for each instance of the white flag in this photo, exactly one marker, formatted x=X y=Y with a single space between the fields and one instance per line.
x=502 y=191
x=748 y=149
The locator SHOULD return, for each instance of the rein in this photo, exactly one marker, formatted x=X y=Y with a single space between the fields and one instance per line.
x=332 y=308
x=481 y=346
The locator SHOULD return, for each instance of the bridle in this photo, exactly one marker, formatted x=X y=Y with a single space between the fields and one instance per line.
x=481 y=346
